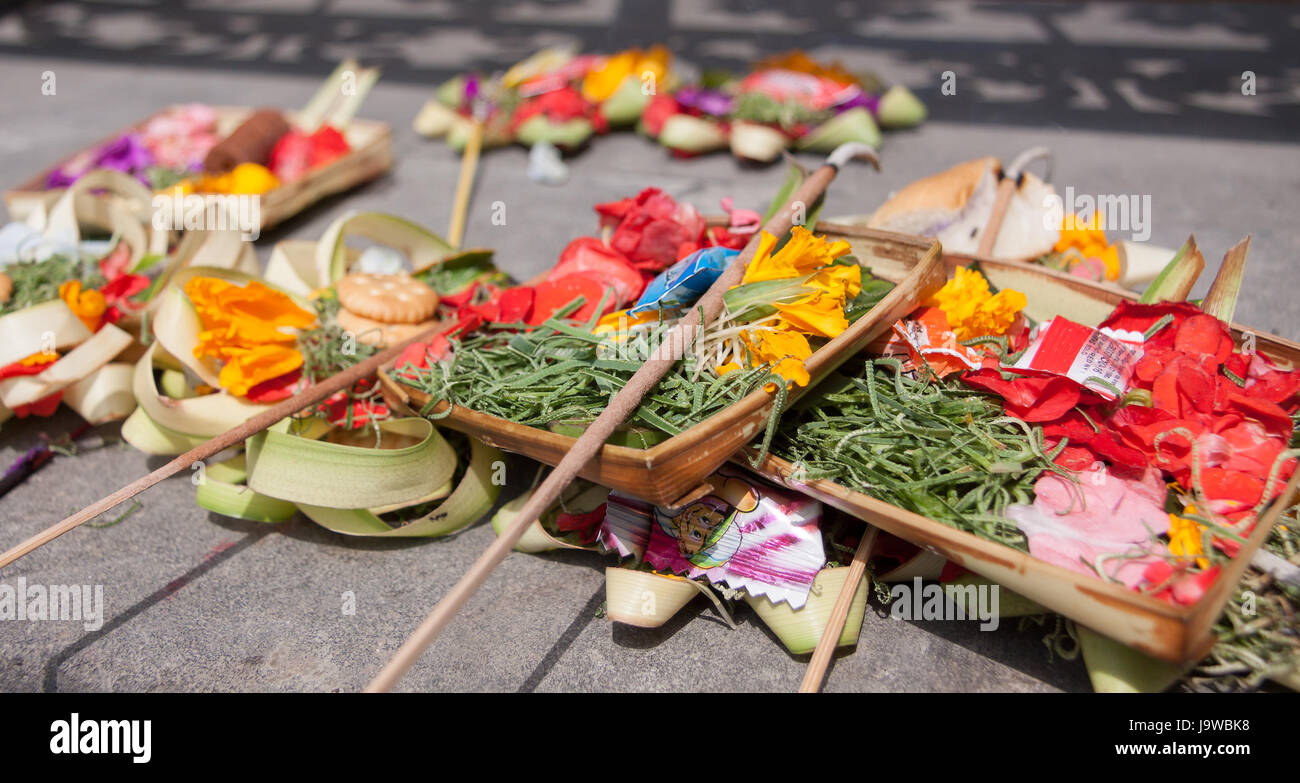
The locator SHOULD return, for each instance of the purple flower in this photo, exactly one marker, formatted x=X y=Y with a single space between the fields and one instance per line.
x=702 y=99
x=126 y=154
x=860 y=98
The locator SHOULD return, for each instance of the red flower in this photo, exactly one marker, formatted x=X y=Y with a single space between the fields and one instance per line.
x=337 y=407
x=559 y=105
x=121 y=285
x=652 y=230
x=1180 y=585
x=1265 y=381
x=1200 y=416
x=18 y=369
x=114 y=264
x=291 y=156
x=327 y=144
x=466 y=324
x=275 y=389
x=723 y=238
x=417 y=356
x=1182 y=387
x=296 y=152
x=461 y=297
x=486 y=311
x=555 y=294
x=1204 y=335
x=1087 y=445
x=657 y=112
x=515 y=303
x=1034 y=398
x=120 y=289
x=586 y=524
x=1134 y=317
x=45 y=406
x=590 y=257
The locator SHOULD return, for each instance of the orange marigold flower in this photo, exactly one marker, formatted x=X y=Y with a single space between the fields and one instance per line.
x=602 y=82
x=972 y=310
x=88 y=305
x=245 y=327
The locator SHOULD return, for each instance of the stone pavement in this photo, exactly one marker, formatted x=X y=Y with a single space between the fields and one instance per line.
x=201 y=602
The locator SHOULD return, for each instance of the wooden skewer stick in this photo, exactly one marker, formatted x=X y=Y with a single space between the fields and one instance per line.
x=620 y=407
x=465 y=185
x=1006 y=189
x=261 y=421
x=821 y=657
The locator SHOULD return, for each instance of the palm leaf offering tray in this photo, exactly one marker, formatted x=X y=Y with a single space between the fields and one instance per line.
x=908 y=437
x=558 y=99
x=77 y=282
x=289 y=160
x=970 y=469
x=532 y=378
x=227 y=346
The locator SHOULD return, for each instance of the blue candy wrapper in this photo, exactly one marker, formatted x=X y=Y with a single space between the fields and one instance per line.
x=685 y=281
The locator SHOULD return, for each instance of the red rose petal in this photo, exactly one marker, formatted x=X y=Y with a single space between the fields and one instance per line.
x=275 y=389
x=515 y=303
x=590 y=257
x=45 y=406
x=461 y=297
x=1204 y=334
x=555 y=294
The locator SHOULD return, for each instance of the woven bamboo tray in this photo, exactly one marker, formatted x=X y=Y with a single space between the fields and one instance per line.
x=673 y=472
x=1180 y=634
x=371 y=155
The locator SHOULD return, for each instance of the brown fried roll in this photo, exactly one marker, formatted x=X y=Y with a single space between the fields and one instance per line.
x=251 y=142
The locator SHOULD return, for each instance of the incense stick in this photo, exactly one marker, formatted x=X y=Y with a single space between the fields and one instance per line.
x=465 y=185
x=620 y=407
x=821 y=657
x=1006 y=189
x=1010 y=182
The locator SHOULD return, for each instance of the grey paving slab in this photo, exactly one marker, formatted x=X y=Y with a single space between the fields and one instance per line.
x=203 y=603
x=1172 y=68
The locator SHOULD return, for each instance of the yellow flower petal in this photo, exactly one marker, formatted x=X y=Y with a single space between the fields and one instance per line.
x=803 y=254
x=815 y=314
x=1185 y=537
x=842 y=281
x=249 y=367
x=600 y=83
x=244 y=326
x=768 y=346
x=621 y=321
x=793 y=371
x=89 y=306
x=762 y=267
x=784 y=350
x=38 y=359
x=971 y=309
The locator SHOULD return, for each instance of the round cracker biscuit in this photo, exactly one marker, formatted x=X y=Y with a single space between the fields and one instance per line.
x=389 y=299
x=378 y=333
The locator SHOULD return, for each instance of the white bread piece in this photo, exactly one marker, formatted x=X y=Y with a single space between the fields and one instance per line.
x=927 y=206
x=954 y=206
